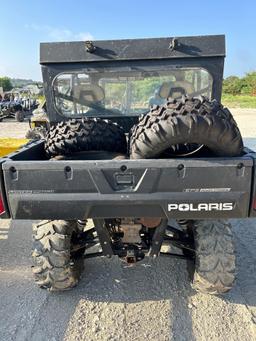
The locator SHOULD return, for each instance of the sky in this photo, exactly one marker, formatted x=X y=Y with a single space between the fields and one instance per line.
x=24 y=24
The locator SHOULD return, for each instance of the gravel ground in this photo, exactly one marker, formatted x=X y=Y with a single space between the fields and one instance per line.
x=151 y=301
x=10 y=128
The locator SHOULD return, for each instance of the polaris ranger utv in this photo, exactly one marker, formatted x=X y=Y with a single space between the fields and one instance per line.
x=139 y=143
x=11 y=109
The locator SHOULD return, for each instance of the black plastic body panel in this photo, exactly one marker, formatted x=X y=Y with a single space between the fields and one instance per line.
x=133 y=49
x=143 y=188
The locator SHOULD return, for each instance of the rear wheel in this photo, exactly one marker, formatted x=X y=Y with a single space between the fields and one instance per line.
x=55 y=267
x=213 y=269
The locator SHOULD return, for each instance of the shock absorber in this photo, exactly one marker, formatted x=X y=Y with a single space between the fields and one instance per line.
x=81 y=224
x=183 y=223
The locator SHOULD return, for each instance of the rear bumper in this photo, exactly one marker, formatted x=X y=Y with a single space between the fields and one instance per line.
x=172 y=205
x=174 y=188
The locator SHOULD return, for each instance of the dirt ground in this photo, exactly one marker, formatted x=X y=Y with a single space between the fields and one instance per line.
x=11 y=128
x=151 y=301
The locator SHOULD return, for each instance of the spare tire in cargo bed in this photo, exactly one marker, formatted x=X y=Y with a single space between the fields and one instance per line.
x=85 y=135
x=186 y=120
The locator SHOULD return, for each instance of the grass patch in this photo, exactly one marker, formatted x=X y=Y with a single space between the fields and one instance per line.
x=238 y=101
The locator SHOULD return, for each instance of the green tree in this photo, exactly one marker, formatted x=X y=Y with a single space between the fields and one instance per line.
x=5 y=83
x=232 y=85
x=249 y=84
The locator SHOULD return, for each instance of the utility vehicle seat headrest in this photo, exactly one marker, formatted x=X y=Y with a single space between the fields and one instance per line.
x=89 y=93
x=176 y=89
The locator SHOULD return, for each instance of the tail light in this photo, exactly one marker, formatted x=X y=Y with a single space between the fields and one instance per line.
x=2 y=209
x=254 y=204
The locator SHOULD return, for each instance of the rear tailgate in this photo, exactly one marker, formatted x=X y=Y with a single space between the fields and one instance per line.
x=174 y=188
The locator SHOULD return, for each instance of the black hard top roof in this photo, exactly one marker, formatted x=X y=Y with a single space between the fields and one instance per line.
x=133 y=49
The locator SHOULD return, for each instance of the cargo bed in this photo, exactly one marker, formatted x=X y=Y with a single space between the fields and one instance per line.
x=37 y=188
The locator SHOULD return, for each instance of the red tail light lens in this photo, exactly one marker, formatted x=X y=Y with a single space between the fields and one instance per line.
x=2 y=210
x=254 y=204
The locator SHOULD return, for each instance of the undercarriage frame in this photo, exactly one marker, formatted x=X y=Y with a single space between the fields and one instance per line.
x=152 y=240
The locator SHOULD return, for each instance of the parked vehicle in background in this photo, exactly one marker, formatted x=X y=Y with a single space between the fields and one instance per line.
x=10 y=108
x=18 y=104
